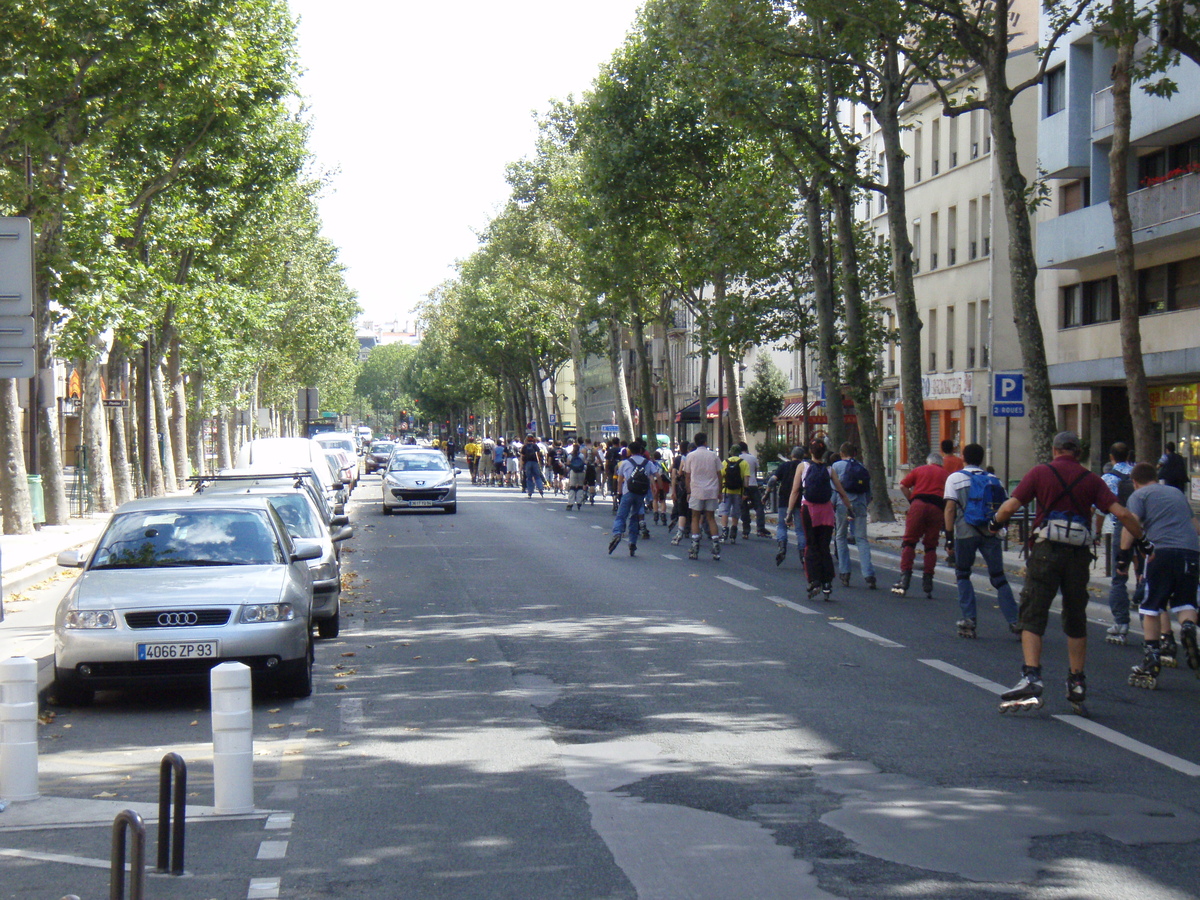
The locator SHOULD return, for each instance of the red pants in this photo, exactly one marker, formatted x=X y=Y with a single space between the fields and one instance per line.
x=923 y=523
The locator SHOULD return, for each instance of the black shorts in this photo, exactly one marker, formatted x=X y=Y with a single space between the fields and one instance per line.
x=1053 y=567
x=589 y=476
x=1171 y=579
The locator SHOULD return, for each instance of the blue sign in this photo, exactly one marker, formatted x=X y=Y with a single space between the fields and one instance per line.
x=1002 y=410
x=610 y=429
x=1008 y=387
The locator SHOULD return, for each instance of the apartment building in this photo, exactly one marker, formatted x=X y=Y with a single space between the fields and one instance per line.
x=963 y=288
x=1076 y=249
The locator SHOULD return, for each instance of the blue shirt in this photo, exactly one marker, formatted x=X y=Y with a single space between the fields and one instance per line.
x=1114 y=482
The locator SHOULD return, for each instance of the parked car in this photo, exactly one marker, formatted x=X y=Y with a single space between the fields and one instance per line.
x=364 y=436
x=289 y=453
x=304 y=519
x=345 y=466
x=263 y=476
x=377 y=456
x=176 y=585
x=417 y=478
x=340 y=440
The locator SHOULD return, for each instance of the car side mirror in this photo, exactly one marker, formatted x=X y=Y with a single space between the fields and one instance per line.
x=344 y=533
x=339 y=509
x=73 y=559
x=305 y=550
x=338 y=521
x=458 y=471
x=338 y=485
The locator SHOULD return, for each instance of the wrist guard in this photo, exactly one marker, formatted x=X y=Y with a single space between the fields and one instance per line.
x=1124 y=557
x=1145 y=546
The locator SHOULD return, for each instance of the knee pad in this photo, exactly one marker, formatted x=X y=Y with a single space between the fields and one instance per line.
x=998 y=581
x=962 y=574
x=904 y=544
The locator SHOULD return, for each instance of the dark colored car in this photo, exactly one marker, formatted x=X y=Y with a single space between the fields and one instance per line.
x=377 y=456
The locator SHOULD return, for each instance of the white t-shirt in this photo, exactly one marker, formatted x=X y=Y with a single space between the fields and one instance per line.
x=703 y=468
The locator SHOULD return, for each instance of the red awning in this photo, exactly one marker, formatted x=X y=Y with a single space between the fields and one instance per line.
x=722 y=403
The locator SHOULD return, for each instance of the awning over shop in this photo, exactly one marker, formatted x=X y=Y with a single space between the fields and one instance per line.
x=690 y=413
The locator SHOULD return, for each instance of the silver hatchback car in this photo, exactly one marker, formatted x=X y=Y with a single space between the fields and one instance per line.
x=417 y=478
x=176 y=585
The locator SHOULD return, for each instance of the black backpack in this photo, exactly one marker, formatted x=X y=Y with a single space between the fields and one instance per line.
x=1124 y=487
x=529 y=452
x=639 y=481
x=734 y=483
x=818 y=487
x=856 y=479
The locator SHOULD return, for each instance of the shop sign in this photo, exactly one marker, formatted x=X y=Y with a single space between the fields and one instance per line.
x=1175 y=395
x=947 y=387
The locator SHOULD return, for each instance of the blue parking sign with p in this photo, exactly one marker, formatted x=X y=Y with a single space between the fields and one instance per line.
x=1008 y=394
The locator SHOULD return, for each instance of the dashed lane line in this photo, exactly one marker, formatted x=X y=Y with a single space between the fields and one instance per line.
x=280 y=821
x=736 y=583
x=272 y=850
x=671 y=556
x=863 y=633
x=803 y=610
x=1104 y=733
x=263 y=889
x=56 y=858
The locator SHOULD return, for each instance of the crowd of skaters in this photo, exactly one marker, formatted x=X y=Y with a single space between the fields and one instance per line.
x=954 y=501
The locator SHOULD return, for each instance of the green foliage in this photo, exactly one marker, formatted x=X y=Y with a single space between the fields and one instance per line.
x=762 y=400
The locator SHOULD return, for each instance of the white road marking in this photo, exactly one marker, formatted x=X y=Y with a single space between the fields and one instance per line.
x=1128 y=743
x=964 y=675
x=57 y=858
x=597 y=527
x=279 y=821
x=272 y=850
x=736 y=583
x=1100 y=731
x=860 y=632
x=796 y=606
x=671 y=556
x=572 y=517
x=263 y=889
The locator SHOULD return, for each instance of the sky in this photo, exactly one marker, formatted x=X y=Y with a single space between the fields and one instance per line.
x=418 y=107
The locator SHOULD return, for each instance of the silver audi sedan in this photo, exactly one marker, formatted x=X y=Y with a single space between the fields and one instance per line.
x=176 y=585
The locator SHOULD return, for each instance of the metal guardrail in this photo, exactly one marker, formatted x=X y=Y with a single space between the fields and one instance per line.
x=1166 y=201
x=171 y=830
x=128 y=821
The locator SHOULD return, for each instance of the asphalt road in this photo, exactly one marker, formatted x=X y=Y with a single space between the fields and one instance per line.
x=512 y=713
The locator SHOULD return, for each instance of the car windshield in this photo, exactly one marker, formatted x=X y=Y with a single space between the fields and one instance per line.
x=382 y=446
x=418 y=462
x=299 y=516
x=200 y=537
x=339 y=443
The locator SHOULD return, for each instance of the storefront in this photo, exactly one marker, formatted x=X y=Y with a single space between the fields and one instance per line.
x=1176 y=408
x=799 y=422
x=946 y=412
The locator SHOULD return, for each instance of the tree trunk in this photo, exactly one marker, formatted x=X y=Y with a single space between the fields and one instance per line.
x=578 y=361
x=540 y=411
x=860 y=355
x=148 y=434
x=163 y=423
x=224 y=455
x=616 y=361
x=179 y=410
x=702 y=322
x=196 y=423
x=666 y=317
x=1145 y=447
x=14 y=481
x=645 y=384
x=50 y=461
x=1022 y=264
x=814 y=213
x=908 y=319
x=94 y=422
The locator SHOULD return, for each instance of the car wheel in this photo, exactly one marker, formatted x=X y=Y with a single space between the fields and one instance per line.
x=298 y=680
x=329 y=628
x=72 y=693
x=452 y=508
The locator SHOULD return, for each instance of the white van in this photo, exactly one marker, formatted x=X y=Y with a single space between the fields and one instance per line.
x=288 y=453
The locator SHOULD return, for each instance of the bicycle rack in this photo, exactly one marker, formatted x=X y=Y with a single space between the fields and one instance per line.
x=170 y=830
x=128 y=821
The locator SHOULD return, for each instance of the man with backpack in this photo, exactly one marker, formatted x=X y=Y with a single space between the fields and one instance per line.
x=532 y=460
x=735 y=472
x=925 y=489
x=1060 y=560
x=752 y=498
x=972 y=498
x=857 y=482
x=784 y=476
x=1118 y=480
x=1172 y=469
x=576 y=474
x=634 y=476
x=817 y=482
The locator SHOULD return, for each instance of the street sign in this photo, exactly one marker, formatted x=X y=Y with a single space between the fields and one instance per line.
x=16 y=267
x=553 y=419
x=610 y=429
x=116 y=403
x=1009 y=410
x=1008 y=394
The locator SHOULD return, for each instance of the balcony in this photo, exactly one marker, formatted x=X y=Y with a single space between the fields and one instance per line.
x=1102 y=109
x=1165 y=202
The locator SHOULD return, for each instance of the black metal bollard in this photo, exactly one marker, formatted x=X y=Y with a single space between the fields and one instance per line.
x=128 y=820
x=170 y=830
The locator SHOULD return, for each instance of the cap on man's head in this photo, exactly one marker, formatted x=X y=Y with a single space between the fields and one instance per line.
x=1066 y=440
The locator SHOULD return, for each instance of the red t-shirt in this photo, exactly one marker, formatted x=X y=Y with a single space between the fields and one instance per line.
x=952 y=463
x=927 y=479
x=1041 y=483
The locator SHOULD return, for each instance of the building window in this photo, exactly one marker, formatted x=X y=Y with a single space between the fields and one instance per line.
x=918 y=144
x=985 y=225
x=952 y=236
x=916 y=246
x=953 y=129
x=970 y=335
x=935 y=148
x=1185 y=279
x=933 y=241
x=950 y=339
x=1074 y=195
x=1090 y=303
x=933 y=333
x=1054 y=90
x=1153 y=290
x=985 y=334
x=1072 y=306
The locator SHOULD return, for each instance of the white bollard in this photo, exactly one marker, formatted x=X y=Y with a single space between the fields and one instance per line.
x=233 y=742
x=18 y=729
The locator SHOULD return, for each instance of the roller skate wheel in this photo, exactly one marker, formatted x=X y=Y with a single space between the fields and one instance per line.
x=1119 y=639
x=1169 y=662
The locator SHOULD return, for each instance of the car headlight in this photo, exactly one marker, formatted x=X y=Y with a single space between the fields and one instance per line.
x=324 y=572
x=268 y=612
x=90 y=618
x=390 y=478
x=444 y=484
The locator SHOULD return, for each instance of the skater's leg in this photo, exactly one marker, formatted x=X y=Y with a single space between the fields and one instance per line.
x=993 y=556
x=841 y=537
x=964 y=559
x=861 y=542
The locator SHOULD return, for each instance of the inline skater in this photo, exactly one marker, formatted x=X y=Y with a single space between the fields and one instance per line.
x=532 y=460
x=1060 y=560
x=679 y=498
x=752 y=500
x=1118 y=481
x=1172 y=569
x=783 y=477
x=925 y=489
x=817 y=481
x=634 y=477
x=972 y=497
x=576 y=475
x=735 y=472
x=702 y=470
x=856 y=479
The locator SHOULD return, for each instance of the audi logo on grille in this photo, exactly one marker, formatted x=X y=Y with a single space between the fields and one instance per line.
x=167 y=619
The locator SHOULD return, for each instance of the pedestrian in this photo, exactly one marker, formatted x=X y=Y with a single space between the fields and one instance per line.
x=634 y=477
x=593 y=459
x=702 y=470
x=1118 y=480
x=950 y=462
x=972 y=498
x=660 y=489
x=1172 y=469
x=817 y=482
x=472 y=450
x=734 y=474
x=532 y=460
x=576 y=477
x=783 y=477
x=925 y=489
x=1060 y=560
x=679 y=498
x=856 y=479
x=752 y=497
x=612 y=456
x=1172 y=570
